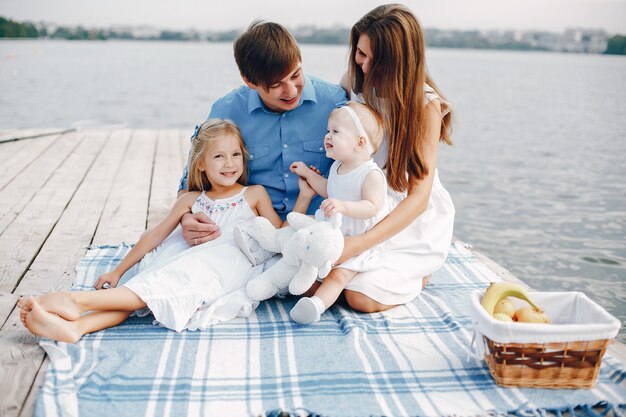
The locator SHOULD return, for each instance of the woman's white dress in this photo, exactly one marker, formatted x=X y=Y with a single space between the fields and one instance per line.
x=196 y=287
x=417 y=251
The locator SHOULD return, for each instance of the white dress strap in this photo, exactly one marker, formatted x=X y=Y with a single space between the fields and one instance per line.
x=431 y=94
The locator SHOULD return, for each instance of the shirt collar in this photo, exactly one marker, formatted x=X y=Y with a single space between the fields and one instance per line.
x=308 y=94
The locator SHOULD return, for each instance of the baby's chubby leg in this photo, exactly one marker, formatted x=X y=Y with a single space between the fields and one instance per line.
x=309 y=309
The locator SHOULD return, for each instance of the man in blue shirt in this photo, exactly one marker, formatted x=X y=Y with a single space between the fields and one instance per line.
x=282 y=115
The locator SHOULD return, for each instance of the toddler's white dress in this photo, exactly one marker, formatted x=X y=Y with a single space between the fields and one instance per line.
x=348 y=187
x=205 y=284
x=417 y=251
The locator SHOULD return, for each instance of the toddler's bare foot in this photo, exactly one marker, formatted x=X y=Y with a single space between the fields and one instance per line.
x=41 y=323
x=425 y=280
x=61 y=303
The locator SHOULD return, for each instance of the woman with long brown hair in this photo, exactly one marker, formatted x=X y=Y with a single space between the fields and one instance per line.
x=387 y=71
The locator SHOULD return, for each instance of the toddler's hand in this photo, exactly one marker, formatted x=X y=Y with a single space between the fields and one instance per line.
x=299 y=168
x=110 y=278
x=332 y=206
x=314 y=169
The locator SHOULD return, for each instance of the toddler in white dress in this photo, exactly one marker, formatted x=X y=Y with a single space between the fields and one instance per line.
x=356 y=188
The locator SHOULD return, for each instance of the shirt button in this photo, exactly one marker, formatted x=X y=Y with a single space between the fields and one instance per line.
x=285 y=146
x=285 y=199
x=286 y=175
x=283 y=115
x=251 y=156
x=321 y=148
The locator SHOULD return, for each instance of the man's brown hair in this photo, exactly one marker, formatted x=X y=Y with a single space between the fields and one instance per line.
x=265 y=53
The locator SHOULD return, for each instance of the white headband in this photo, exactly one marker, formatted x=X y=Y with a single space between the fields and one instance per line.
x=359 y=127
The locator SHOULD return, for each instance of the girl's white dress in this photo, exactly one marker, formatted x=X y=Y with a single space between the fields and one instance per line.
x=349 y=187
x=196 y=287
x=417 y=251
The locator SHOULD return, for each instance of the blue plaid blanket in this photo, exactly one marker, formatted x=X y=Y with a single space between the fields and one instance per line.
x=409 y=361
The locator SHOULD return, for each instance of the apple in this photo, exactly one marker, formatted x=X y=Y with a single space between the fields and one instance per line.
x=530 y=315
x=502 y=317
x=504 y=306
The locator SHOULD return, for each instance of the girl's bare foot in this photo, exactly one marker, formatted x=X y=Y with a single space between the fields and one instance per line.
x=60 y=303
x=24 y=305
x=42 y=323
x=425 y=280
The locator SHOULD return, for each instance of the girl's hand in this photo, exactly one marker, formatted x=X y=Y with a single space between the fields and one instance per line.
x=332 y=206
x=110 y=278
x=306 y=190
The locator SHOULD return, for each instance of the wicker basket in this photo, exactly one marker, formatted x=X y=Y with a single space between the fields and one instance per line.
x=547 y=365
x=565 y=354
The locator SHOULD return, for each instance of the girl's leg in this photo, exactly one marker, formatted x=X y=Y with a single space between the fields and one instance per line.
x=42 y=323
x=309 y=309
x=71 y=304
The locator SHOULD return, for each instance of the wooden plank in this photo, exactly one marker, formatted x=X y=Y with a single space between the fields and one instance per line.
x=184 y=148
x=125 y=213
x=54 y=267
x=19 y=134
x=20 y=360
x=22 y=240
x=165 y=176
x=22 y=156
x=28 y=408
x=7 y=303
x=7 y=149
x=33 y=176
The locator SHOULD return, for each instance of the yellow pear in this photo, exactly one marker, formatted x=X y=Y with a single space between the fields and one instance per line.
x=530 y=315
x=502 y=317
x=504 y=306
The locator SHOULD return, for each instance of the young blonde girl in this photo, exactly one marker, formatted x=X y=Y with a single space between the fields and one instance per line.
x=387 y=70
x=188 y=290
x=356 y=188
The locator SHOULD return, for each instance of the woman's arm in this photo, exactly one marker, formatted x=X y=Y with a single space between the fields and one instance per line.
x=416 y=200
x=150 y=239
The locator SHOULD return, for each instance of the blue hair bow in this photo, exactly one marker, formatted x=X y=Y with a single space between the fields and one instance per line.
x=195 y=133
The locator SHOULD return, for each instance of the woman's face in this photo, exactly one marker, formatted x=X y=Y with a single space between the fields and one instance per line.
x=363 y=56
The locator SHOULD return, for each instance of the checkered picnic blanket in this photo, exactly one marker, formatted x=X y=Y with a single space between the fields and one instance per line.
x=413 y=360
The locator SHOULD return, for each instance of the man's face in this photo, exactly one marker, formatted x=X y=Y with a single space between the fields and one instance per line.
x=284 y=95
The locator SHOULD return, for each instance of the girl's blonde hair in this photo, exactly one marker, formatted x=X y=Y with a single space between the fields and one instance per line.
x=370 y=119
x=395 y=87
x=203 y=137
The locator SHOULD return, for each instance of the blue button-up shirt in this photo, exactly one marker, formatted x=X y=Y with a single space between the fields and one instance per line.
x=275 y=140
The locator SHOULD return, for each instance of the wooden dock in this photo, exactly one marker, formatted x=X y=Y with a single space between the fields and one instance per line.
x=60 y=193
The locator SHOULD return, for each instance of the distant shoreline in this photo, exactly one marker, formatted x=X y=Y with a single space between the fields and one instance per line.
x=590 y=41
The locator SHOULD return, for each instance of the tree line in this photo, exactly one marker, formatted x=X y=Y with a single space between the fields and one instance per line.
x=616 y=44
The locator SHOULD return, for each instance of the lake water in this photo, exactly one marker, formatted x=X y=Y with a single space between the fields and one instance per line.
x=537 y=172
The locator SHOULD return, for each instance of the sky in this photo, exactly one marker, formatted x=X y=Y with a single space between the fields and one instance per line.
x=548 y=15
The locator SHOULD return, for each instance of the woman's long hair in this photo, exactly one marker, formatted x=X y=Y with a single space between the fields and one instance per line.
x=395 y=87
